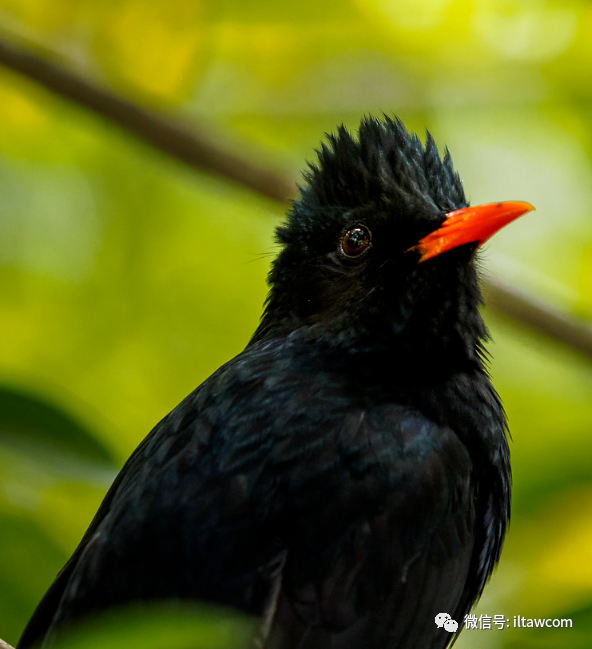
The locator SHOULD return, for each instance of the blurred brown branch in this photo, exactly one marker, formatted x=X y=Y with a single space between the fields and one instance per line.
x=539 y=315
x=193 y=147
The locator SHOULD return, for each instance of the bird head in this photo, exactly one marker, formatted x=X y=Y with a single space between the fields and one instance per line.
x=378 y=252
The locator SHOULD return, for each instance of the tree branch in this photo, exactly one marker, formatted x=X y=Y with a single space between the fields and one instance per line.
x=197 y=150
x=539 y=315
x=193 y=147
x=4 y=645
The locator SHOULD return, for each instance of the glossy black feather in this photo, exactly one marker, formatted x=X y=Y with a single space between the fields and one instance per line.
x=352 y=459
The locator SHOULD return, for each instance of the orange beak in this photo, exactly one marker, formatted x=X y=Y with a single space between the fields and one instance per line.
x=470 y=224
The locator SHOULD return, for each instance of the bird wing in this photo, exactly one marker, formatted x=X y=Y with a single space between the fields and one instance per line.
x=381 y=540
x=368 y=512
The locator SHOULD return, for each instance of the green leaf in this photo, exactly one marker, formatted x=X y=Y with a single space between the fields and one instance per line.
x=44 y=431
x=160 y=626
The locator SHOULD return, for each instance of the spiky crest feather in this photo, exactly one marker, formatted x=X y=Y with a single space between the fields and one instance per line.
x=386 y=166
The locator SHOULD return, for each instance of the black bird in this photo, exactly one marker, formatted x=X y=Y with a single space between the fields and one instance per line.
x=346 y=477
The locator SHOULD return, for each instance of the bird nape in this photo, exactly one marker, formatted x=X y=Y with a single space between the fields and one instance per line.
x=346 y=477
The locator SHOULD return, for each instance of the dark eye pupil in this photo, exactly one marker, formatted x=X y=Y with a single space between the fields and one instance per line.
x=355 y=239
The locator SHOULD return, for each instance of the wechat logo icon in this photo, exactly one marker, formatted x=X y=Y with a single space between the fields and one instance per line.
x=444 y=620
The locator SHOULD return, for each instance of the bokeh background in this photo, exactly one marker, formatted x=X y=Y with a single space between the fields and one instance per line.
x=126 y=277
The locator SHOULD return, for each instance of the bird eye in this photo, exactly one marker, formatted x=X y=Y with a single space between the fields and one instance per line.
x=355 y=241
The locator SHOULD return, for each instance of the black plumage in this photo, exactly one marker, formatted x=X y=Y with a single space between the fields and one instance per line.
x=346 y=477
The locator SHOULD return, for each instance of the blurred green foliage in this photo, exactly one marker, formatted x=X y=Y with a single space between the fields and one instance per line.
x=126 y=279
x=154 y=626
